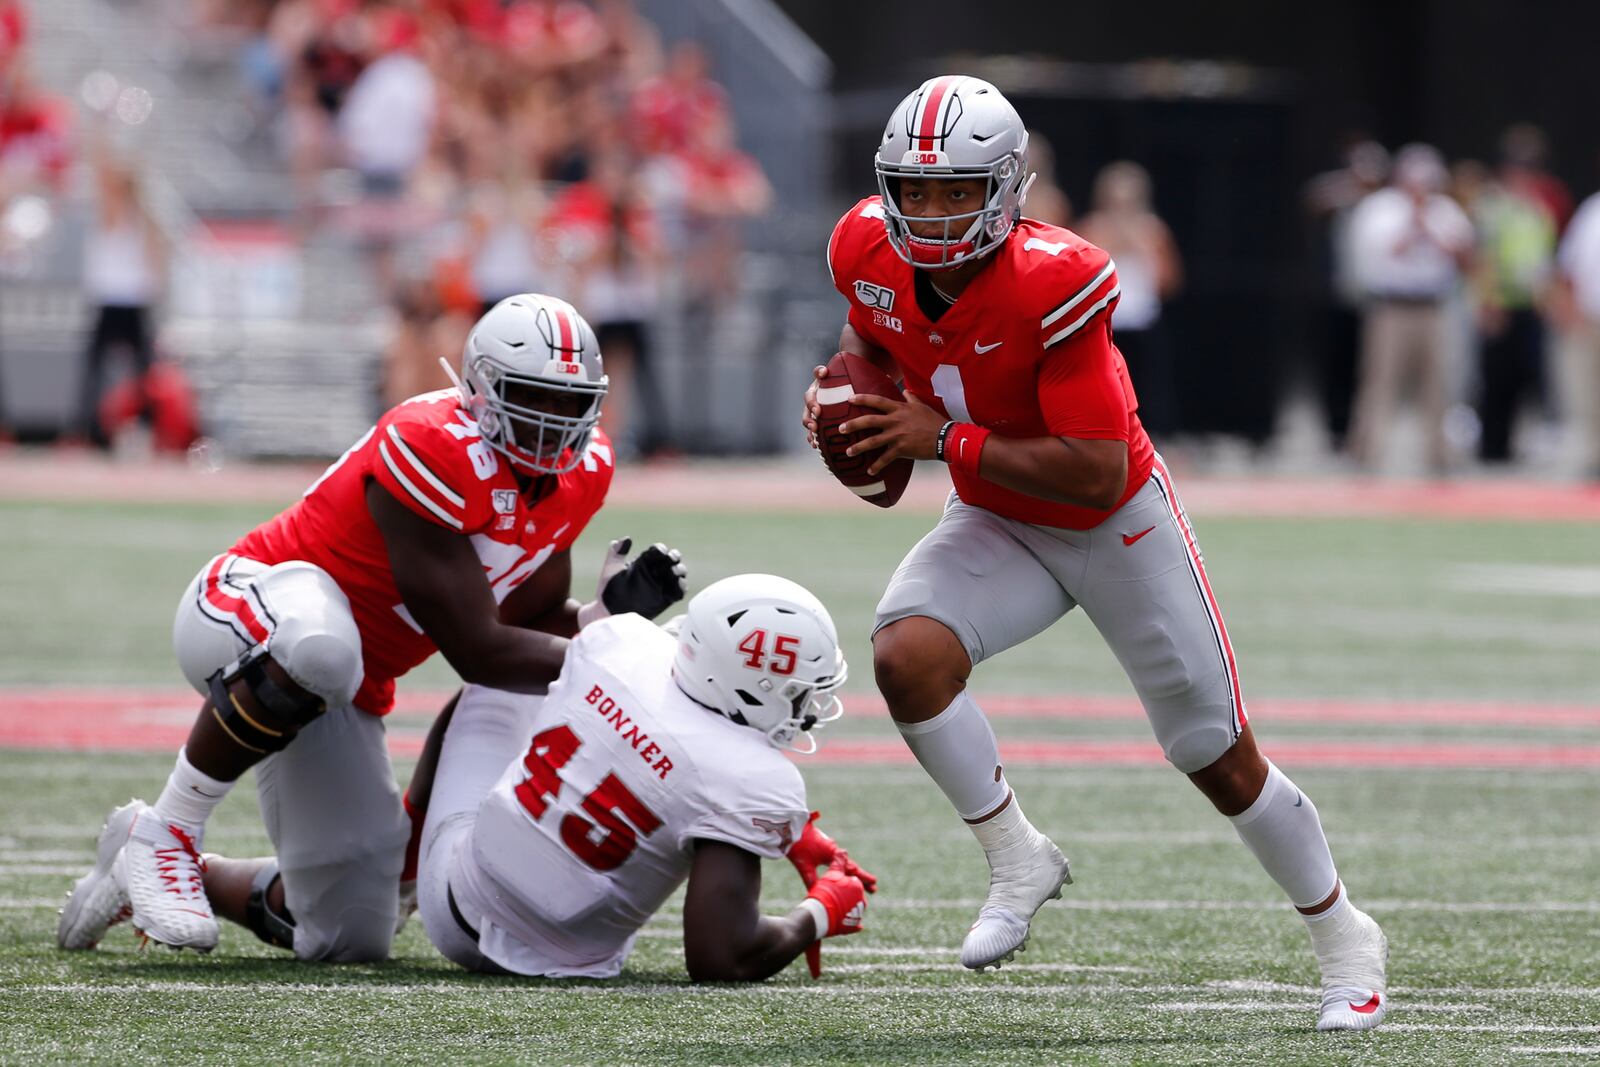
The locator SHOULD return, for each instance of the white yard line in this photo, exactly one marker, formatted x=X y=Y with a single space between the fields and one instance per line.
x=1557 y=1050
x=1494 y=1028
x=981 y=985
x=1584 y=907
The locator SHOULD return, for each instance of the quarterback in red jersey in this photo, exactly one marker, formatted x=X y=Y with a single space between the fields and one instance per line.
x=445 y=527
x=998 y=328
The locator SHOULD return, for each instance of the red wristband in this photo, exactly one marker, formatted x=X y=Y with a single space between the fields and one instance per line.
x=963 y=447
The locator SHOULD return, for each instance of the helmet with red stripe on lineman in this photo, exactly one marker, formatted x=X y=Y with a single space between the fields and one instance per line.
x=532 y=379
x=954 y=126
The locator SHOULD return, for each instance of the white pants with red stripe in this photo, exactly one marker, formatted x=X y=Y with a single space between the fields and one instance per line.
x=329 y=800
x=996 y=582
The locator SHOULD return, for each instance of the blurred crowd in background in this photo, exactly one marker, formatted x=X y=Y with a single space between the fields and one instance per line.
x=473 y=149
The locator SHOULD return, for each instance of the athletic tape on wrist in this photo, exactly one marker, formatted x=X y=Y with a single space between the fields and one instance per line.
x=819 y=915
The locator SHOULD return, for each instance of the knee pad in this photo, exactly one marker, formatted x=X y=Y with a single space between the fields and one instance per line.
x=275 y=713
x=272 y=927
x=315 y=640
x=1199 y=747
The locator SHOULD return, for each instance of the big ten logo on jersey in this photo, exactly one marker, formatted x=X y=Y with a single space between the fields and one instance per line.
x=879 y=299
x=465 y=428
x=616 y=818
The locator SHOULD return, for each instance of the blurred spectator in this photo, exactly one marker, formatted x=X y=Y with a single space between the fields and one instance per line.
x=385 y=125
x=607 y=232
x=669 y=109
x=502 y=231
x=387 y=117
x=1516 y=248
x=1330 y=199
x=1046 y=201
x=1578 y=312
x=35 y=148
x=1148 y=268
x=123 y=267
x=1523 y=147
x=1409 y=245
x=13 y=30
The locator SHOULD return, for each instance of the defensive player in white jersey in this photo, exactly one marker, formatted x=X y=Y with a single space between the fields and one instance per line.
x=999 y=327
x=447 y=527
x=651 y=761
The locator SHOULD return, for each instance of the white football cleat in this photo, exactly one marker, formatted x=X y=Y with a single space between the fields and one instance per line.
x=1354 y=982
x=100 y=899
x=162 y=868
x=1019 y=884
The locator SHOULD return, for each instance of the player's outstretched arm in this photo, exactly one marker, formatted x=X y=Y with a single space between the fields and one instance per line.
x=725 y=936
x=441 y=582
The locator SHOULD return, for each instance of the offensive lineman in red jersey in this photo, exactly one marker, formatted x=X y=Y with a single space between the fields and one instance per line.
x=998 y=327
x=447 y=526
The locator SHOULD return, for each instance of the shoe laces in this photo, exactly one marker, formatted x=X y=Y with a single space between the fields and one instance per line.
x=179 y=866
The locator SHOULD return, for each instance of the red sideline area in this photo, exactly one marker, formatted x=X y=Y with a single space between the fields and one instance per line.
x=158 y=720
x=771 y=485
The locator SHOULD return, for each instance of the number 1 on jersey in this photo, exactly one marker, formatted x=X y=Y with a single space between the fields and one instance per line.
x=950 y=390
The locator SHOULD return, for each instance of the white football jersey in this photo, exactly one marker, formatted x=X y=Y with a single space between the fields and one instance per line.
x=591 y=829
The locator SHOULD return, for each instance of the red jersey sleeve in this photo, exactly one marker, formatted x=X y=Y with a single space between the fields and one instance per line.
x=438 y=468
x=1080 y=290
x=851 y=238
x=1084 y=391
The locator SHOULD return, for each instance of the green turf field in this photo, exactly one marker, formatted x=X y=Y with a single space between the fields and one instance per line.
x=1171 y=948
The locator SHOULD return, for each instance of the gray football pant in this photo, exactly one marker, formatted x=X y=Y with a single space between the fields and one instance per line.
x=1139 y=576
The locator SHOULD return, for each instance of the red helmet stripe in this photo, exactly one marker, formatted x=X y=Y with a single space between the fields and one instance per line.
x=930 y=111
x=564 y=323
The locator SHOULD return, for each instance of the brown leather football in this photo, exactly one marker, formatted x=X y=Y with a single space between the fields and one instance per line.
x=849 y=374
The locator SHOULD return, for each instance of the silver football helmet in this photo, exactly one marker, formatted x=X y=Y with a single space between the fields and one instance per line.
x=531 y=377
x=954 y=126
x=762 y=651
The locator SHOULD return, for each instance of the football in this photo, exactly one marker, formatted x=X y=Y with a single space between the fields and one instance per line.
x=850 y=374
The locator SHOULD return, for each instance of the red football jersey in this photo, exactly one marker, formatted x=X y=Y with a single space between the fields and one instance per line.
x=427 y=452
x=1026 y=351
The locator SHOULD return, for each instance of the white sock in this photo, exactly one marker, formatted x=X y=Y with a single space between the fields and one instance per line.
x=190 y=795
x=957 y=748
x=1328 y=925
x=1282 y=829
x=1008 y=830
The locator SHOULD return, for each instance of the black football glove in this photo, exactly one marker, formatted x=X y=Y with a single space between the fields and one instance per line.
x=648 y=584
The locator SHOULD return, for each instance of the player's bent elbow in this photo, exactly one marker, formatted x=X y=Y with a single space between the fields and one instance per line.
x=715 y=966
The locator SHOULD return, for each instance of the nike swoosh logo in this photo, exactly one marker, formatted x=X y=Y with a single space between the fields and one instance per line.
x=1299 y=799
x=202 y=792
x=1129 y=539
x=560 y=530
x=981 y=349
x=961 y=450
x=1369 y=1007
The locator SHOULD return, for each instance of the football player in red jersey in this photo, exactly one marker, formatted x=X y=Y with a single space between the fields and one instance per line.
x=998 y=328
x=446 y=527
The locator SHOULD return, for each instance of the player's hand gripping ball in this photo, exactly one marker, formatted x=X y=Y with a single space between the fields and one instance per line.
x=849 y=374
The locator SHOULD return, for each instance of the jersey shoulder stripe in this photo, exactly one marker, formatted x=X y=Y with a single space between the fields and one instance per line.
x=421 y=468
x=1074 y=313
x=412 y=475
x=1064 y=308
